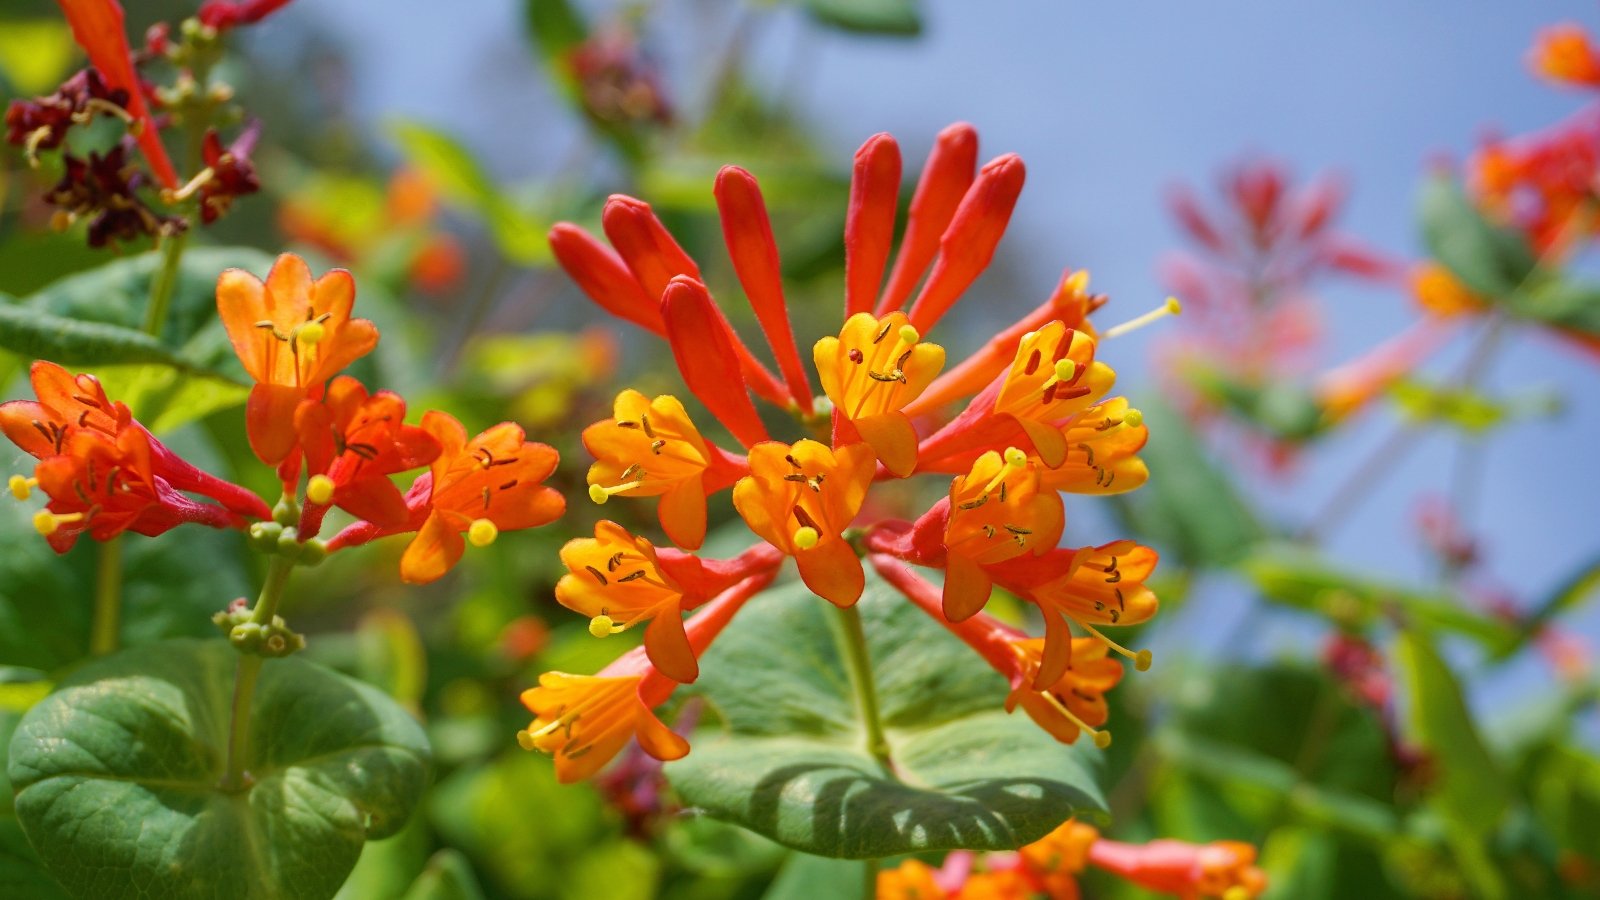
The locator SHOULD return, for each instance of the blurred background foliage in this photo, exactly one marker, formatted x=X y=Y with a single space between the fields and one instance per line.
x=1378 y=726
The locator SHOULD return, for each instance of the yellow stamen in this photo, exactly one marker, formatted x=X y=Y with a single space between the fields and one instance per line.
x=909 y=335
x=1141 y=660
x=1102 y=739
x=319 y=489
x=1015 y=459
x=46 y=522
x=525 y=740
x=601 y=494
x=1133 y=418
x=806 y=537
x=1171 y=308
x=482 y=532
x=188 y=190
x=311 y=334
x=22 y=486
x=604 y=626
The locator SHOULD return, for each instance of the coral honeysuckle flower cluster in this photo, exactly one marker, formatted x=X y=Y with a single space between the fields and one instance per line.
x=1050 y=866
x=1008 y=430
x=104 y=473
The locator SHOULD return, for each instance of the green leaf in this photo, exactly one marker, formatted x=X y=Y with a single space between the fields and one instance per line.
x=1470 y=787
x=1462 y=408
x=1303 y=579
x=1578 y=586
x=40 y=335
x=793 y=765
x=1492 y=261
x=463 y=181
x=21 y=873
x=1559 y=303
x=804 y=876
x=117 y=777
x=1190 y=507
x=555 y=28
x=884 y=17
x=46 y=598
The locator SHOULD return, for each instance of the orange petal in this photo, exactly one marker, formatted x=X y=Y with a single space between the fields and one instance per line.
x=241 y=303
x=944 y=181
x=376 y=500
x=436 y=548
x=747 y=231
x=682 y=511
x=97 y=26
x=269 y=420
x=832 y=571
x=966 y=588
x=660 y=741
x=893 y=440
x=1057 y=650
x=1047 y=441
x=869 y=223
x=667 y=645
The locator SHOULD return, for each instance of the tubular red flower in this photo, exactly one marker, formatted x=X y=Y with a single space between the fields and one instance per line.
x=968 y=244
x=747 y=231
x=602 y=274
x=225 y=14
x=944 y=182
x=357 y=441
x=97 y=26
x=704 y=352
x=869 y=223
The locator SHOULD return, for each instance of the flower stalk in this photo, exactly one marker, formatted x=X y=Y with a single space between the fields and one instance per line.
x=234 y=777
x=852 y=641
x=107 y=617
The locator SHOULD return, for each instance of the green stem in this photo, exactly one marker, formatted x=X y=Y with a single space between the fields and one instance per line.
x=166 y=280
x=852 y=640
x=234 y=777
x=105 y=624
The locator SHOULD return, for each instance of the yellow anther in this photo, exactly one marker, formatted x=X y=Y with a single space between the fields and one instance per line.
x=1133 y=418
x=311 y=334
x=482 y=532
x=1170 y=308
x=1142 y=660
x=909 y=335
x=319 y=490
x=1015 y=458
x=525 y=740
x=806 y=537
x=1066 y=369
x=22 y=486
x=1102 y=739
x=604 y=626
x=46 y=522
x=600 y=494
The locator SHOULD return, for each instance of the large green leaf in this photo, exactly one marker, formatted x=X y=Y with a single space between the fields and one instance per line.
x=117 y=777
x=21 y=873
x=1560 y=303
x=793 y=763
x=1491 y=260
x=46 y=598
x=1470 y=788
x=1305 y=580
x=1190 y=508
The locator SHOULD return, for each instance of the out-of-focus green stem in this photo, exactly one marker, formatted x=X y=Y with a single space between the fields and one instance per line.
x=166 y=281
x=105 y=625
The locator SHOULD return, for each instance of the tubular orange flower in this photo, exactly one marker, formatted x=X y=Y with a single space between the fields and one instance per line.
x=1440 y=293
x=869 y=223
x=355 y=441
x=651 y=448
x=1100 y=586
x=292 y=334
x=945 y=180
x=1563 y=54
x=799 y=498
x=1053 y=375
x=968 y=244
x=104 y=485
x=71 y=403
x=702 y=344
x=994 y=513
x=1072 y=703
x=483 y=486
x=97 y=26
x=1102 y=443
x=584 y=720
x=617 y=581
x=1343 y=391
x=870 y=372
